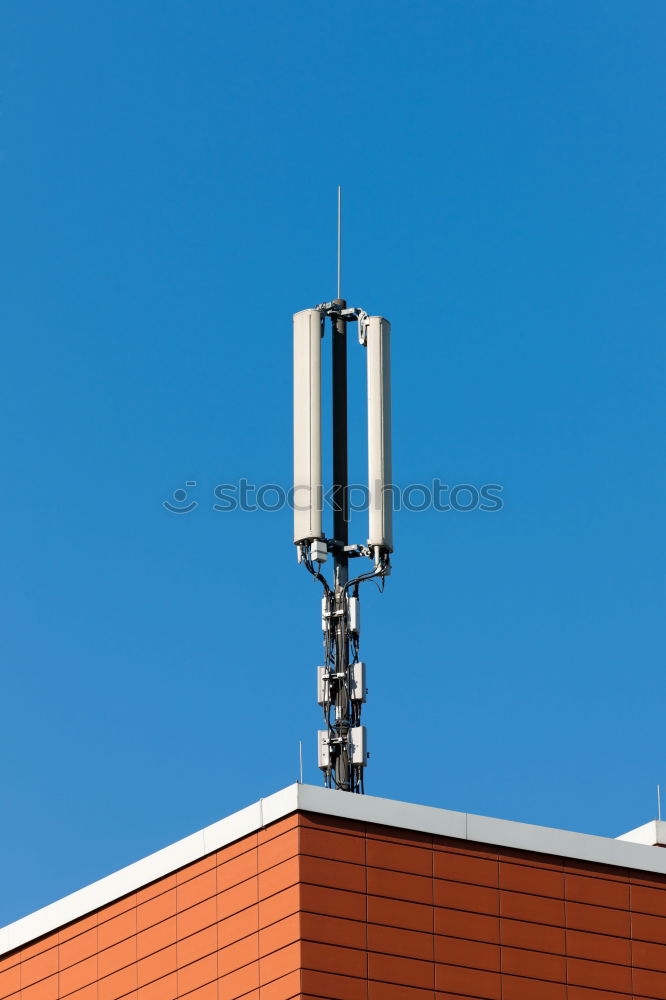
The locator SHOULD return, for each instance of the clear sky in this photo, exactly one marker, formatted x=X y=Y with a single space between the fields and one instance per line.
x=169 y=178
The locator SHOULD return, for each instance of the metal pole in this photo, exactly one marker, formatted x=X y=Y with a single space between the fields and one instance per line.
x=343 y=776
x=339 y=240
x=340 y=491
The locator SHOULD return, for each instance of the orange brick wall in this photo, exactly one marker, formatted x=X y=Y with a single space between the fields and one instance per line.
x=324 y=909
x=196 y=934
x=427 y=918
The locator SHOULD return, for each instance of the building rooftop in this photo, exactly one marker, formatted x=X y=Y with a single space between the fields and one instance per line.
x=623 y=852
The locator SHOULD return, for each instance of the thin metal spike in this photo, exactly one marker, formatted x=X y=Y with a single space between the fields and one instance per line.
x=339 y=241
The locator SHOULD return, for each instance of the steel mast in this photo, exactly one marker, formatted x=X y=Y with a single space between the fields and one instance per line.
x=341 y=679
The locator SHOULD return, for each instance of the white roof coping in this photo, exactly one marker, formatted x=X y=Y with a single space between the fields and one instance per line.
x=653 y=834
x=624 y=852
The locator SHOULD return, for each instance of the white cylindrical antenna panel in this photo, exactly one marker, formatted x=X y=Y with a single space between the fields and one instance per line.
x=308 y=326
x=378 y=343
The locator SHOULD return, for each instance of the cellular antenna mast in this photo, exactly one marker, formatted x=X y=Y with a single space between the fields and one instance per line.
x=341 y=679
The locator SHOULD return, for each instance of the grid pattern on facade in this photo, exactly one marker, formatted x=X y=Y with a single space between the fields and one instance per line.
x=220 y=928
x=322 y=908
x=438 y=918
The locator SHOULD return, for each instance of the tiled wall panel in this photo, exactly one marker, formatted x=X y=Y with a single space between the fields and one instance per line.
x=225 y=927
x=446 y=921
x=318 y=908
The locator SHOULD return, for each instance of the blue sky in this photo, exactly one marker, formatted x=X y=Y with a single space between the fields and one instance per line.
x=169 y=179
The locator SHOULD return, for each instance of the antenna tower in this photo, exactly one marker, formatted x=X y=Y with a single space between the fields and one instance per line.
x=341 y=679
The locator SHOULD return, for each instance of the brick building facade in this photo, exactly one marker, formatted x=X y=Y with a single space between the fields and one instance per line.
x=320 y=895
